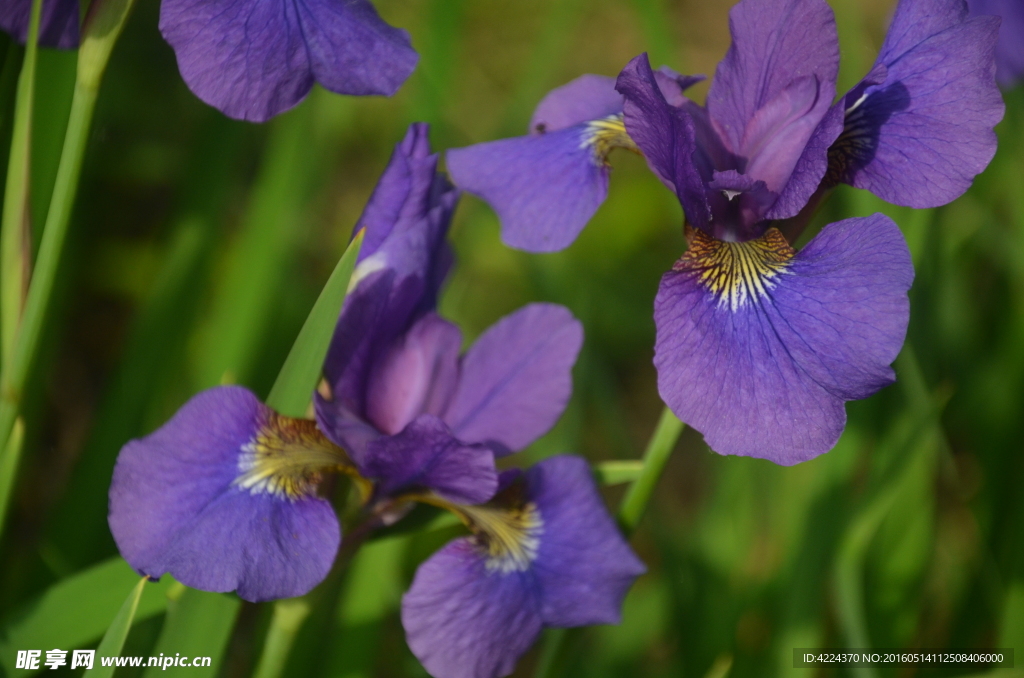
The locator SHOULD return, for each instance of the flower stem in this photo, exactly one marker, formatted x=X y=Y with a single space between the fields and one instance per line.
x=633 y=507
x=15 y=233
x=102 y=27
x=288 y=617
x=660 y=447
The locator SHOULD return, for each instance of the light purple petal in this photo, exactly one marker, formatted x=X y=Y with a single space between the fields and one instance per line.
x=765 y=372
x=517 y=378
x=811 y=168
x=253 y=59
x=666 y=136
x=583 y=565
x=1010 y=50
x=464 y=621
x=352 y=50
x=58 y=23
x=588 y=97
x=919 y=138
x=673 y=84
x=426 y=456
x=774 y=42
x=417 y=375
x=175 y=508
x=545 y=188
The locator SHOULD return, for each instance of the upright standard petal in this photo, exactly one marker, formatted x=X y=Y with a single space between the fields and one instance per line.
x=1010 y=49
x=546 y=187
x=400 y=272
x=545 y=553
x=774 y=43
x=919 y=134
x=223 y=497
x=759 y=348
x=58 y=23
x=425 y=456
x=665 y=134
x=253 y=59
x=516 y=379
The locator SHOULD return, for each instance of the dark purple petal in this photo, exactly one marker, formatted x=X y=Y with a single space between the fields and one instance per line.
x=1010 y=49
x=588 y=97
x=516 y=378
x=463 y=620
x=584 y=567
x=919 y=138
x=417 y=375
x=545 y=188
x=253 y=59
x=426 y=456
x=672 y=84
x=759 y=349
x=352 y=50
x=739 y=203
x=175 y=506
x=774 y=43
x=665 y=134
x=58 y=23
x=403 y=190
x=402 y=266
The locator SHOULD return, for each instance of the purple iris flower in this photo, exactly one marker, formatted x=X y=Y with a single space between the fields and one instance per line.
x=1010 y=49
x=224 y=498
x=543 y=553
x=253 y=59
x=758 y=346
x=398 y=396
x=58 y=25
x=546 y=186
x=919 y=127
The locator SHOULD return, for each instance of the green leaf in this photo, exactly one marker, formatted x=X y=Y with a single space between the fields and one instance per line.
x=113 y=639
x=74 y=612
x=301 y=371
x=198 y=624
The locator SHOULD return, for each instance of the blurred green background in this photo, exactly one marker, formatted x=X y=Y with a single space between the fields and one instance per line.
x=199 y=244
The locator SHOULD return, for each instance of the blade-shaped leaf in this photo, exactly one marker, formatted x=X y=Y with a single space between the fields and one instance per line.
x=76 y=611
x=301 y=370
x=113 y=639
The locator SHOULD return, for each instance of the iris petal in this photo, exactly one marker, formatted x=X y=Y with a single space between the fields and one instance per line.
x=759 y=348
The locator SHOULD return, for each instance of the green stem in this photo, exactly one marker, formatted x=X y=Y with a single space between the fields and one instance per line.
x=102 y=28
x=287 y=619
x=655 y=457
x=16 y=227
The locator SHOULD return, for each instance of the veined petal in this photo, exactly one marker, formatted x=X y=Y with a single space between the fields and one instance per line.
x=516 y=379
x=666 y=135
x=463 y=620
x=353 y=51
x=919 y=137
x=426 y=456
x=545 y=552
x=774 y=43
x=223 y=497
x=583 y=564
x=545 y=188
x=58 y=24
x=758 y=347
x=1010 y=49
x=246 y=58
